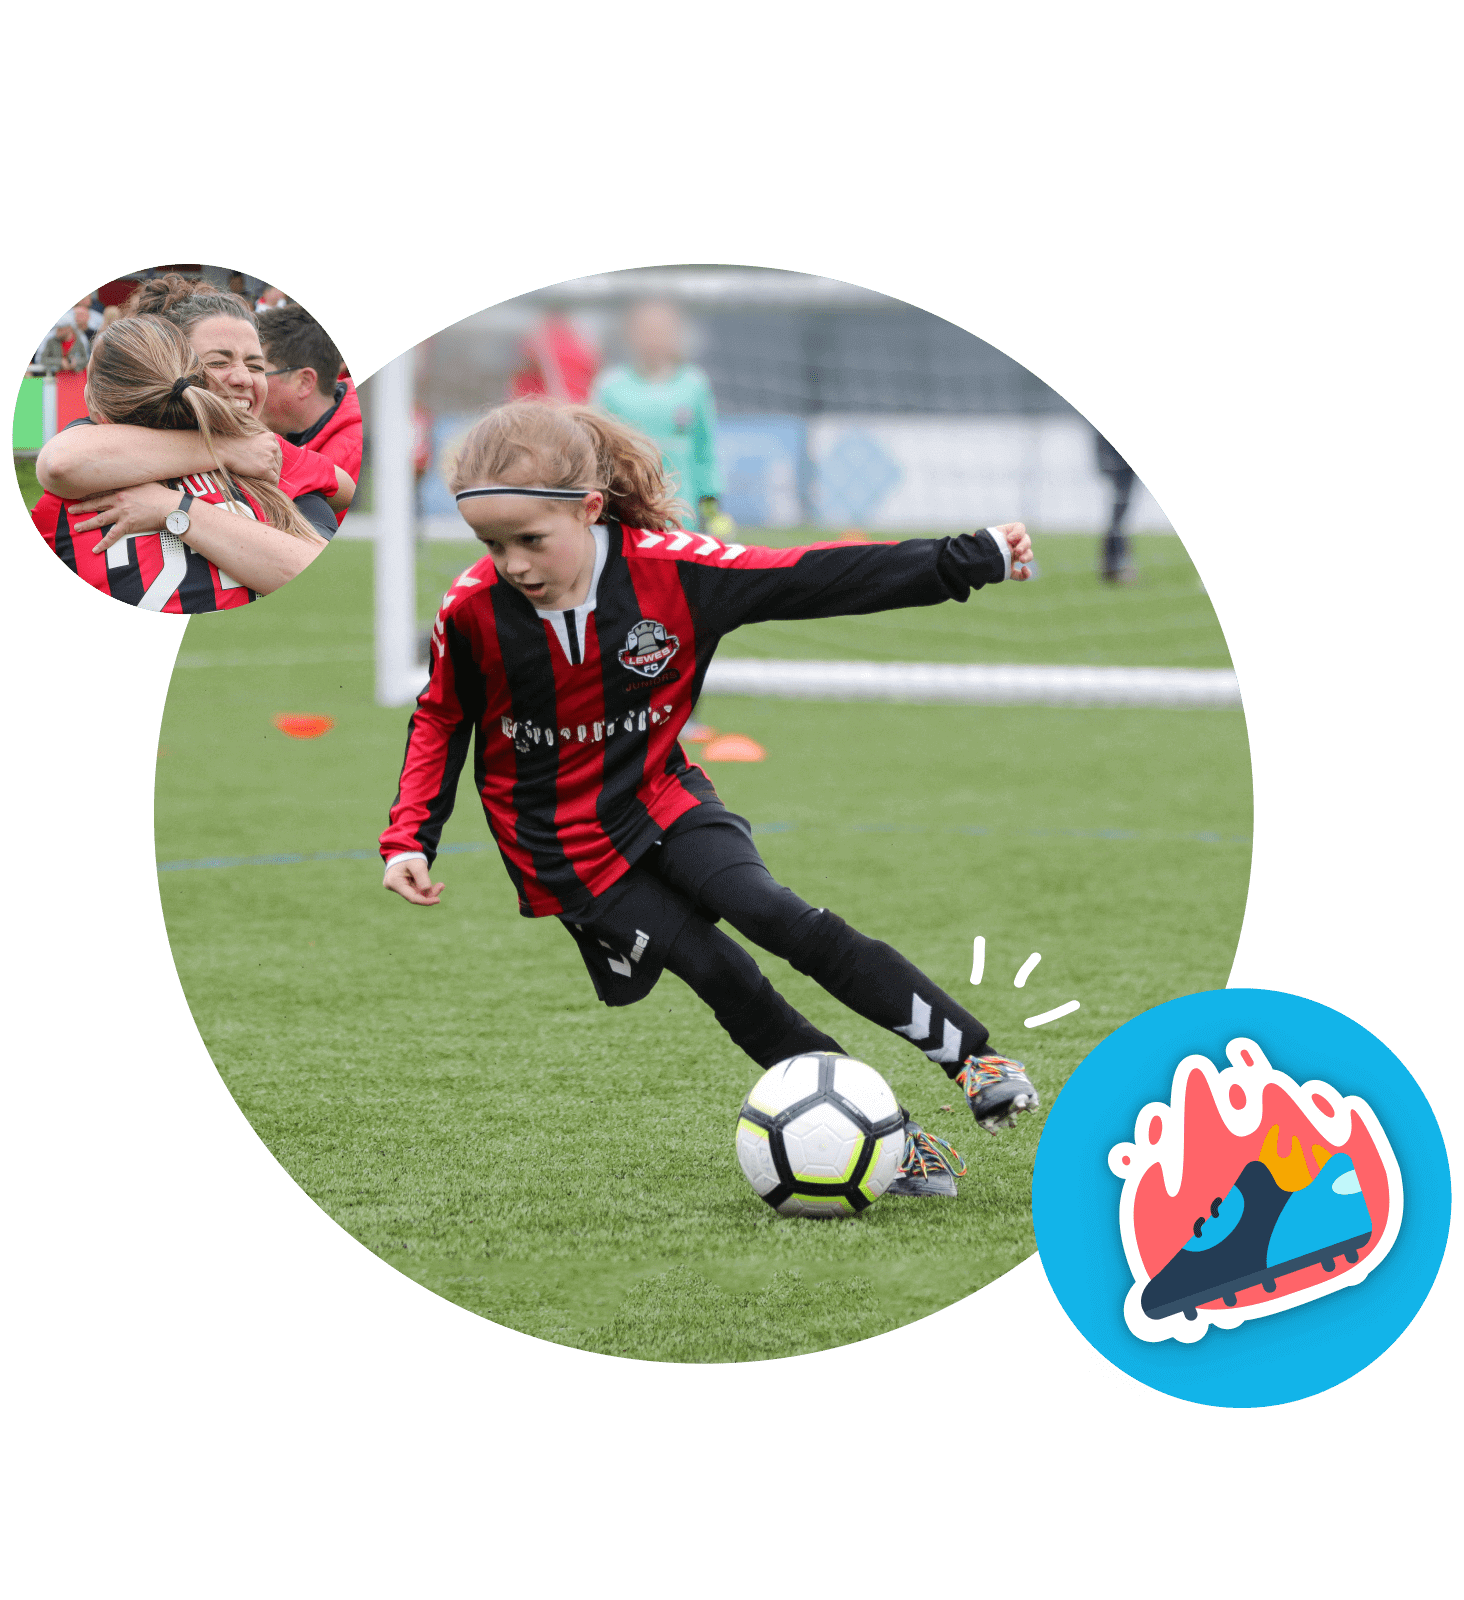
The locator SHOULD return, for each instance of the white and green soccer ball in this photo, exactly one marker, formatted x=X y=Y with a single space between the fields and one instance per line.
x=820 y=1136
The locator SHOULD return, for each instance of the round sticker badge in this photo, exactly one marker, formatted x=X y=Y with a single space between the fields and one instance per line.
x=1241 y=1197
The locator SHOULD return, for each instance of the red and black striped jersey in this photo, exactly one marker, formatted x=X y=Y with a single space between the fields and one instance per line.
x=574 y=716
x=153 y=571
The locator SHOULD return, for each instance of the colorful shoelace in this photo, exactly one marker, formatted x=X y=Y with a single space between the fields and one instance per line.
x=980 y=1072
x=930 y=1154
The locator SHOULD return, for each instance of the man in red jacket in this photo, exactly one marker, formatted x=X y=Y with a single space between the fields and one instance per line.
x=309 y=404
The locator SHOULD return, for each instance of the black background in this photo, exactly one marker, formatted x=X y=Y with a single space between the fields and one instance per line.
x=188 y=1247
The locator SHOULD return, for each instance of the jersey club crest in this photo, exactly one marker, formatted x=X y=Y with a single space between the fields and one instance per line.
x=648 y=648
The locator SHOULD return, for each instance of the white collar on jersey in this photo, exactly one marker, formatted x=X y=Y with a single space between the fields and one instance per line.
x=561 y=621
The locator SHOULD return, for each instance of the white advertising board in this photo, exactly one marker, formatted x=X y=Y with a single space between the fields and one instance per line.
x=936 y=473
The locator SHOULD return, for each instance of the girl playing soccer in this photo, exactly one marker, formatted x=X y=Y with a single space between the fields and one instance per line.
x=571 y=657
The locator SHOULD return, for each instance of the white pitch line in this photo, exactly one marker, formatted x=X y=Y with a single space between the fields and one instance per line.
x=978 y=958
x=1025 y=970
x=1053 y=1015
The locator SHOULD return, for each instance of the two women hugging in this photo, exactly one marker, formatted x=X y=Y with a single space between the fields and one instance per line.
x=173 y=494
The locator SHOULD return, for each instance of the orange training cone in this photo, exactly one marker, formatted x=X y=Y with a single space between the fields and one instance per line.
x=298 y=727
x=733 y=747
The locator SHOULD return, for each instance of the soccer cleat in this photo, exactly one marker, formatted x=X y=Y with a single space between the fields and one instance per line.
x=929 y=1165
x=1260 y=1231
x=997 y=1088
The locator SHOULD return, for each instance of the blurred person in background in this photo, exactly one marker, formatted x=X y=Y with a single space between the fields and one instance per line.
x=1114 y=565
x=421 y=440
x=308 y=403
x=110 y=314
x=666 y=397
x=68 y=345
x=65 y=349
x=271 y=298
x=84 y=317
x=557 y=364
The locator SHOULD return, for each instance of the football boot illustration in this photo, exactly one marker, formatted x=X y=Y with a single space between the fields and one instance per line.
x=1277 y=1218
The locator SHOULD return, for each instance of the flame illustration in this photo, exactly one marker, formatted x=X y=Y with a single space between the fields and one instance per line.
x=1291 y=1171
x=1186 y=1156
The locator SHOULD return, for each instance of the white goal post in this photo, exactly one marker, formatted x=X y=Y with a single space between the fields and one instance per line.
x=399 y=675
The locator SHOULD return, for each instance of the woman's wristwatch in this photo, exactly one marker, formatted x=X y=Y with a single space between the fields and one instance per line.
x=178 y=522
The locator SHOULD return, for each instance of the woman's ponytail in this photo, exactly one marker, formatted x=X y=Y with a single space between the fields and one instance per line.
x=215 y=417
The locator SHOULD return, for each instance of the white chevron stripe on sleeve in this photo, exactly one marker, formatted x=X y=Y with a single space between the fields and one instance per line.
x=950 y=1044
x=679 y=541
x=731 y=551
x=918 y=1027
x=707 y=545
x=650 y=540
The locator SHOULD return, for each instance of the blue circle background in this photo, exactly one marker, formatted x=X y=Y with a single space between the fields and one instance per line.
x=1075 y=1198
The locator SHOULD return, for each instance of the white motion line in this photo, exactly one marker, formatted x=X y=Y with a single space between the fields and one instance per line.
x=1053 y=1015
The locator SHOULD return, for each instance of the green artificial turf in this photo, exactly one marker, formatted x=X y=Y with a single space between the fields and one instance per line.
x=446 y=1086
x=25 y=476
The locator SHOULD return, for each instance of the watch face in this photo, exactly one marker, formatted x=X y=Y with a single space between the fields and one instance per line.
x=177 y=522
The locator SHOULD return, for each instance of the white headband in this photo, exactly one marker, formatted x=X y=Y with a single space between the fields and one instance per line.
x=535 y=494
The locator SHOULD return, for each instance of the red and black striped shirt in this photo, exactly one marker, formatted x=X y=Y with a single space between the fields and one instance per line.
x=153 y=571
x=157 y=571
x=574 y=716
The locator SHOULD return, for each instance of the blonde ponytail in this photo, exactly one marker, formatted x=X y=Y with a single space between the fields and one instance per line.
x=551 y=445
x=216 y=416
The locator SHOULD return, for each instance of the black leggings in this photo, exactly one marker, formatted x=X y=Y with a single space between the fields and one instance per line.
x=868 y=976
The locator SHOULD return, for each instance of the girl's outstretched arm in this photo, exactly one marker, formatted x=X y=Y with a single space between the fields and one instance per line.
x=729 y=586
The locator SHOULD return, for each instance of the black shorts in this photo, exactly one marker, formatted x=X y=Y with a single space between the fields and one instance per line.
x=625 y=936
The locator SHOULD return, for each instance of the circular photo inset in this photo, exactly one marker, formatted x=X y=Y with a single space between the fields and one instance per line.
x=1241 y=1197
x=816 y=741
x=187 y=439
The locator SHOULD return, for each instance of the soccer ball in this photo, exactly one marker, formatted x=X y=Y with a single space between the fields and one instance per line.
x=820 y=1136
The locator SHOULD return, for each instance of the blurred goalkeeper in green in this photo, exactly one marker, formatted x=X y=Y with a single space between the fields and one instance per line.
x=668 y=398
